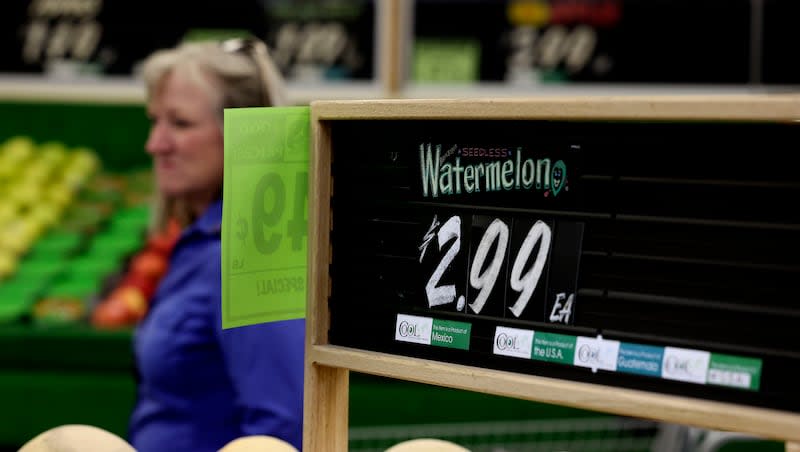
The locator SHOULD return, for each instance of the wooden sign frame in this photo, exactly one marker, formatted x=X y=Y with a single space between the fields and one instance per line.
x=328 y=366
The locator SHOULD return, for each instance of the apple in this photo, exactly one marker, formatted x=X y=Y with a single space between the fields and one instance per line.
x=145 y=285
x=60 y=195
x=19 y=148
x=7 y=167
x=84 y=159
x=35 y=225
x=163 y=241
x=149 y=264
x=124 y=306
x=46 y=213
x=133 y=300
x=160 y=244
x=25 y=193
x=8 y=211
x=108 y=315
x=18 y=235
x=74 y=177
x=38 y=170
x=8 y=264
x=54 y=153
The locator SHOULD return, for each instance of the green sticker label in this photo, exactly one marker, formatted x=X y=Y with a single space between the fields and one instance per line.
x=264 y=218
x=557 y=348
x=735 y=371
x=451 y=334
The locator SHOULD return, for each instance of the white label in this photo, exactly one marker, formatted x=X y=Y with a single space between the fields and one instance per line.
x=513 y=342
x=729 y=378
x=685 y=365
x=411 y=328
x=596 y=353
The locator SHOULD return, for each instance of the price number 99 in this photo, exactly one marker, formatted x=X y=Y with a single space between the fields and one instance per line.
x=523 y=278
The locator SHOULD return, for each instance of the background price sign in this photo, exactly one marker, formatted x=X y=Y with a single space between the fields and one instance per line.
x=264 y=225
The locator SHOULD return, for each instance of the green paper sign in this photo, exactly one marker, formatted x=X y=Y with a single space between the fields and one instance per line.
x=265 y=215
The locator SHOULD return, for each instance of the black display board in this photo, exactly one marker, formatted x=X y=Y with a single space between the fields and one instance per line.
x=779 y=31
x=314 y=39
x=660 y=256
x=525 y=42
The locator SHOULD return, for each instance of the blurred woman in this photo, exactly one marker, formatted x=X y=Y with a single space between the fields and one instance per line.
x=200 y=386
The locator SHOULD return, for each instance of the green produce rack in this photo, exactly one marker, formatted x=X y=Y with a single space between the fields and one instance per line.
x=53 y=375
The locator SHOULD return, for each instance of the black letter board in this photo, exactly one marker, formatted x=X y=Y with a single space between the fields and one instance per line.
x=631 y=244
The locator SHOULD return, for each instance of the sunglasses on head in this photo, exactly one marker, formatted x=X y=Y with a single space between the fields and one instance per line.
x=251 y=48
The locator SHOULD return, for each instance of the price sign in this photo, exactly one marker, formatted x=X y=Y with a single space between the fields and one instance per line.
x=322 y=40
x=264 y=226
x=525 y=42
x=497 y=264
x=503 y=268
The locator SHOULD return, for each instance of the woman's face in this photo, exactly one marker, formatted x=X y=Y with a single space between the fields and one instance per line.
x=185 y=141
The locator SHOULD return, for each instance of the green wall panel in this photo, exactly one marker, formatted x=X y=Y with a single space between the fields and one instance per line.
x=117 y=132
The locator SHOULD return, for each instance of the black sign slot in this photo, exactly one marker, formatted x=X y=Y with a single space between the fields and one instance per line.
x=651 y=238
x=742 y=287
x=765 y=245
x=688 y=322
x=704 y=199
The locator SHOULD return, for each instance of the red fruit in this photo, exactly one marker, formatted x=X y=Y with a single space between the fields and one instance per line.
x=164 y=241
x=149 y=264
x=110 y=316
x=125 y=305
x=145 y=284
x=133 y=300
x=160 y=244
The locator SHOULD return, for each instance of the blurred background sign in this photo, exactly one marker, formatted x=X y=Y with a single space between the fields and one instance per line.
x=321 y=39
x=524 y=42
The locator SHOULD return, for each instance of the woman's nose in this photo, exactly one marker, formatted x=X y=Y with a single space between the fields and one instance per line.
x=159 y=140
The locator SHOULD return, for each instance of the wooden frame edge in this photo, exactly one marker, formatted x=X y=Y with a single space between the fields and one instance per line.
x=762 y=422
x=745 y=107
x=326 y=389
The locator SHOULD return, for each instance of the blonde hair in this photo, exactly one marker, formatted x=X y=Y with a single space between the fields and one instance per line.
x=236 y=73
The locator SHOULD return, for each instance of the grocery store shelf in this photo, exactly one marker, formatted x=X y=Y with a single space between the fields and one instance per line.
x=127 y=90
x=304 y=93
x=78 y=347
x=109 y=90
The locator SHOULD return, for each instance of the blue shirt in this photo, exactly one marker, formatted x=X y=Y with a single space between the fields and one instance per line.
x=201 y=386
